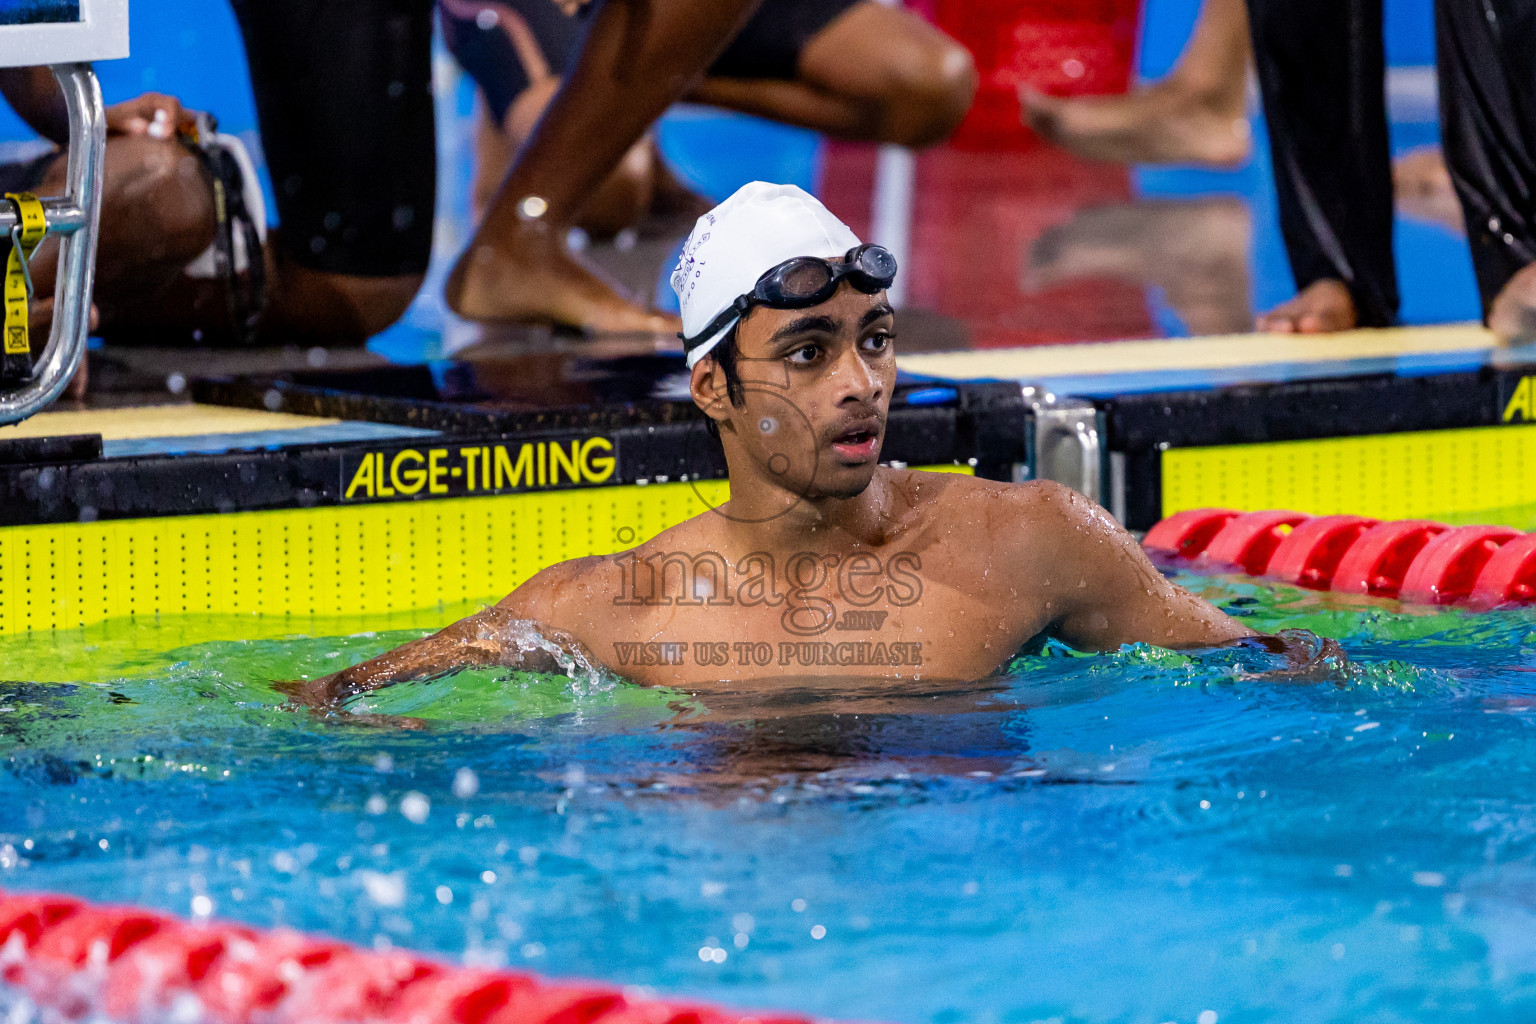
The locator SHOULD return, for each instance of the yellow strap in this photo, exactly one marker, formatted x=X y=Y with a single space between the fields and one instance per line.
x=17 y=283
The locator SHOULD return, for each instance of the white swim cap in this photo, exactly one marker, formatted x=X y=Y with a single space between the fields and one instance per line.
x=734 y=244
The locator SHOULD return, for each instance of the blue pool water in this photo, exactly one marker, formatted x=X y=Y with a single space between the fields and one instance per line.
x=1135 y=837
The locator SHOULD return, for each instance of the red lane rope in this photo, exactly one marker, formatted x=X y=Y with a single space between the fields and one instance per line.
x=1416 y=561
x=129 y=965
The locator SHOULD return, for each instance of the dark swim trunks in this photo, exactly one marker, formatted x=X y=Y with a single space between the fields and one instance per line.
x=344 y=96
x=480 y=33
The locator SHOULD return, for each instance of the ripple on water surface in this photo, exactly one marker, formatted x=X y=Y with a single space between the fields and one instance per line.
x=1144 y=836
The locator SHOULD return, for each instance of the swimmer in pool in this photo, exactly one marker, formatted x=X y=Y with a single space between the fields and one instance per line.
x=823 y=562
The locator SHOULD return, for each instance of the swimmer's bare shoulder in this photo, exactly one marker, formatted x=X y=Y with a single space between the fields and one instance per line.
x=576 y=597
x=551 y=596
x=1099 y=588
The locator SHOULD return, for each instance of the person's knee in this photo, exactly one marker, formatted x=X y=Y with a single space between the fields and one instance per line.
x=160 y=192
x=930 y=94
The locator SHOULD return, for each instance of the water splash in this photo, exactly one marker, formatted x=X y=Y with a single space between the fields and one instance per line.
x=526 y=637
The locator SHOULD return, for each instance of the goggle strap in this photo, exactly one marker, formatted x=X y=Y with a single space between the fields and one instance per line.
x=851 y=271
x=716 y=325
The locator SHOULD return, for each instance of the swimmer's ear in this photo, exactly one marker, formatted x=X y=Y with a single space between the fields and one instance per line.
x=707 y=387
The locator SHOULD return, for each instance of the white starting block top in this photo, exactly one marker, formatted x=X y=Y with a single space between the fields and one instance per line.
x=34 y=32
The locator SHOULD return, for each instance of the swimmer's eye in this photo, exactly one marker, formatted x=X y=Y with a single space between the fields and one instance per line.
x=878 y=342
x=804 y=355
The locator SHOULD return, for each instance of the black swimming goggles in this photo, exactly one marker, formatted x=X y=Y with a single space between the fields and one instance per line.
x=806 y=281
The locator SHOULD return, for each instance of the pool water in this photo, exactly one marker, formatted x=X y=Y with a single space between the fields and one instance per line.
x=1141 y=836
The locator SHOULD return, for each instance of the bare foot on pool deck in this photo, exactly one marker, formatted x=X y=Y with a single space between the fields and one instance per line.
x=1166 y=123
x=1321 y=308
x=1513 y=314
x=528 y=276
x=1197 y=114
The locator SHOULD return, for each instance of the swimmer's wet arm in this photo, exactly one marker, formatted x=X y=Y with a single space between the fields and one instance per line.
x=1113 y=594
x=473 y=642
x=482 y=640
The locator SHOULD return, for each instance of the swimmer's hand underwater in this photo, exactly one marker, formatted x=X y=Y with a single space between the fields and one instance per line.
x=1309 y=658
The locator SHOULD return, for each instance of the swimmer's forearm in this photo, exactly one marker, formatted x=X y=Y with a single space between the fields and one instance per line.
x=426 y=658
x=1176 y=621
x=475 y=642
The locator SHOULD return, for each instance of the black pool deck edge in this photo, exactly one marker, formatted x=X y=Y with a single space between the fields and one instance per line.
x=980 y=425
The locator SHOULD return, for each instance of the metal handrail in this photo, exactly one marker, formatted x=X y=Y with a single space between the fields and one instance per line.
x=64 y=216
x=75 y=219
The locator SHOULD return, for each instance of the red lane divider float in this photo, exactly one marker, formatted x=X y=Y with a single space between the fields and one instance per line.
x=1447 y=569
x=1310 y=555
x=1377 y=562
x=1509 y=577
x=82 y=961
x=1414 y=560
x=1248 y=542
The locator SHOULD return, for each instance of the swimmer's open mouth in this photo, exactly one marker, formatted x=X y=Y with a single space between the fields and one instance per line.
x=858 y=442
